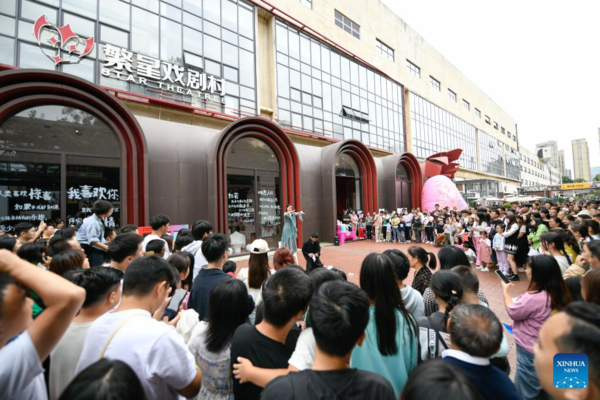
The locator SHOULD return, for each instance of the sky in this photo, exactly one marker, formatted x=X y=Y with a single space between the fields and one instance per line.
x=538 y=60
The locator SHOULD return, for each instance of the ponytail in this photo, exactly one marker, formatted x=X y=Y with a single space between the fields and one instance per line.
x=447 y=285
x=424 y=257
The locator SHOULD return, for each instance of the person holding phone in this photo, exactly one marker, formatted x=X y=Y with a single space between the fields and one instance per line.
x=546 y=293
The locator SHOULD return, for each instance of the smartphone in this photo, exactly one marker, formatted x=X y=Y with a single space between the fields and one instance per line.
x=175 y=303
x=502 y=276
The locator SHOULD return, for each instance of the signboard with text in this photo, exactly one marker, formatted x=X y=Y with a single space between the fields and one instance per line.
x=575 y=186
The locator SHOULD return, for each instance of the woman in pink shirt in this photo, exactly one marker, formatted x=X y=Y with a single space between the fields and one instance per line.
x=547 y=293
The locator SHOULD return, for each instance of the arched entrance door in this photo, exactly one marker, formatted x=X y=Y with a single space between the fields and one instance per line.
x=403 y=188
x=253 y=193
x=55 y=162
x=347 y=184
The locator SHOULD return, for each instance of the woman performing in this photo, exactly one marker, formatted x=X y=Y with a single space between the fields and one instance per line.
x=289 y=237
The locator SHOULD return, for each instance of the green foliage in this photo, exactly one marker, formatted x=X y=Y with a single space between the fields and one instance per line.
x=579 y=180
x=507 y=205
x=566 y=179
x=597 y=178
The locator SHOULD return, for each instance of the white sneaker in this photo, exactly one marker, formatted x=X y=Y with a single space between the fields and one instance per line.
x=521 y=269
x=485 y=269
x=478 y=267
x=408 y=241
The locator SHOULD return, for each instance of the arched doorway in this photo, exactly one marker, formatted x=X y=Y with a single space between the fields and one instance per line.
x=253 y=193
x=55 y=162
x=275 y=169
x=403 y=188
x=353 y=158
x=347 y=184
x=81 y=140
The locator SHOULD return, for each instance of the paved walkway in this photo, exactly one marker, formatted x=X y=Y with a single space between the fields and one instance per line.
x=349 y=257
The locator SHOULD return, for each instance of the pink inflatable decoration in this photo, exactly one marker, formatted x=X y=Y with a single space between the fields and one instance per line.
x=441 y=190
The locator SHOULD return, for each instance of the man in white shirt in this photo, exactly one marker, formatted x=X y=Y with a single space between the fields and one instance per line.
x=160 y=225
x=153 y=349
x=103 y=292
x=200 y=231
x=21 y=371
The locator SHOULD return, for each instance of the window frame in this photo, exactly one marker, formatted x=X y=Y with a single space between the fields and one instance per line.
x=344 y=22
x=413 y=68
x=435 y=84
x=385 y=50
x=452 y=96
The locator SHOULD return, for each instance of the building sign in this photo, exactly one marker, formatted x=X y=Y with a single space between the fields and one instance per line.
x=147 y=71
x=67 y=47
x=241 y=208
x=575 y=186
x=84 y=197
x=122 y=64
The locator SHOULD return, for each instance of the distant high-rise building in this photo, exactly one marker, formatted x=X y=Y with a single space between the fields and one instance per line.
x=581 y=160
x=561 y=162
x=568 y=173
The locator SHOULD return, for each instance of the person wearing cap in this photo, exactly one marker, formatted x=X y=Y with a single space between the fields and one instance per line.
x=214 y=248
x=257 y=272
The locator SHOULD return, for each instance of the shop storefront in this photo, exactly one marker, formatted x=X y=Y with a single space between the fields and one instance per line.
x=154 y=106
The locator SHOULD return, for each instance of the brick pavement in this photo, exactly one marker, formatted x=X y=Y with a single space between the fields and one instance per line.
x=349 y=257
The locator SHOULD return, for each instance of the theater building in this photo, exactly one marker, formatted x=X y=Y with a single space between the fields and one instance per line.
x=230 y=110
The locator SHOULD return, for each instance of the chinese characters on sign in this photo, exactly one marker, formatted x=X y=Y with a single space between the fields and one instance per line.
x=85 y=196
x=240 y=210
x=27 y=204
x=147 y=71
x=269 y=208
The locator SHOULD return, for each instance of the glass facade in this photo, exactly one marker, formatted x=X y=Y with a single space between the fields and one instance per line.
x=212 y=36
x=323 y=92
x=513 y=163
x=435 y=130
x=55 y=161
x=492 y=154
x=253 y=193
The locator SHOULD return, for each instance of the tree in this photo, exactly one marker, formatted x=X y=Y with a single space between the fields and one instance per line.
x=566 y=179
x=597 y=178
x=579 y=180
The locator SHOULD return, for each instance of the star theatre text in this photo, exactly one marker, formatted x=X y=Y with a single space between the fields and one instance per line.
x=147 y=71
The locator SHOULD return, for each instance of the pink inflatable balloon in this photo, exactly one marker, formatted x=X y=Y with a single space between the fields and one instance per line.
x=441 y=190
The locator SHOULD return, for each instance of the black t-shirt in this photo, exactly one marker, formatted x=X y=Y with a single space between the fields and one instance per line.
x=344 y=384
x=264 y=352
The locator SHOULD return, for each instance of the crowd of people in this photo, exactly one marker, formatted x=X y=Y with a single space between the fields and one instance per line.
x=94 y=313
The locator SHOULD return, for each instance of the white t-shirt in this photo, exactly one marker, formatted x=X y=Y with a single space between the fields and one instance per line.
x=563 y=263
x=304 y=354
x=199 y=261
x=154 y=351
x=255 y=293
x=65 y=357
x=151 y=237
x=21 y=372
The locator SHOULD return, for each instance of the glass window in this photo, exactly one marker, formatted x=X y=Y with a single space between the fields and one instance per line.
x=347 y=24
x=59 y=128
x=246 y=20
x=7 y=50
x=452 y=95
x=170 y=41
x=144 y=32
x=31 y=57
x=193 y=6
x=435 y=84
x=466 y=105
x=194 y=60
x=32 y=11
x=114 y=36
x=212 y=48
x=89 y=180
x=80 y=26
x=413 y=69
x=8 y=7
x=253 y=193
x=230 y=15
x=116 y=13
x=192 y=40
x=87 y=8
x=385 y=50
x=30 y=188
x=247 y=73
x=150 y=5
x=170 y=12
x=212 y=11
x=230 y=55
x=83 y=69
x=345 y=165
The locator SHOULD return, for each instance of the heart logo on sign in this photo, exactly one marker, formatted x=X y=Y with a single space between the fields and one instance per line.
x=67 y=46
